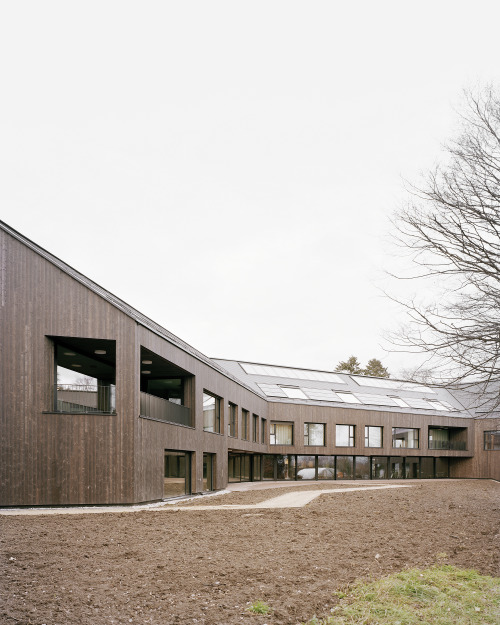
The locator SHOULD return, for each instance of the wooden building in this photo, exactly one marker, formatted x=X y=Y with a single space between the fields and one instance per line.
x=100 y=405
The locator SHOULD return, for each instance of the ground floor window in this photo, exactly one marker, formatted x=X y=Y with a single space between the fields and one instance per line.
x=295 y=467
x=208 y=472
x=177 y=474
x=239 y=468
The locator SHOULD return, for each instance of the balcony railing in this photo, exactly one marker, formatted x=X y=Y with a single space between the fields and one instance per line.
x=84 y=398
x=164 y=410
x=450 y=445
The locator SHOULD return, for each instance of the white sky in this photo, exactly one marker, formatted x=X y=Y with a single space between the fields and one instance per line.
x=229 y=168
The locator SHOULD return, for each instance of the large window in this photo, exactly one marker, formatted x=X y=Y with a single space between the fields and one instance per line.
x=255 y=428
x=407 y=438
x=373 y=436
x=344 y=436
x=211 y=412
x=245 y=418
x=314 y=434
x=281 y=434
x=492 y=440
x=177 y=474
x=232 y=428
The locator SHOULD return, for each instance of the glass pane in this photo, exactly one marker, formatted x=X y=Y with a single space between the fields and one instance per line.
x=427 y=468
x=412 y=468
x=268 y=468
x=314 y=434
x=326 y=467
x=405 y=438
x=306 y=467
x=344 y=436
x=256 y=476
x=345 y=466
x=234 y=468
x=442 y=467
x=362 y=464
x=210 y=413
x=176 y=476
x=379 y=468
x=285 y=467
x=396 y=468
x=373 y=436
x=245 y=468
x=207 y=472
x=281 y=433
x=293 y=393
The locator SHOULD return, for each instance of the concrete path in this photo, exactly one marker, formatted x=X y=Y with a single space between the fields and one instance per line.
x=288 y=500
x=294 y=499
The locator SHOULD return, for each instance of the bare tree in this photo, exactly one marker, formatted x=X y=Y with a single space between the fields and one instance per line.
x=451 y=230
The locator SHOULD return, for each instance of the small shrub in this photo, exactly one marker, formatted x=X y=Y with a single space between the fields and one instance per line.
x=259 y=607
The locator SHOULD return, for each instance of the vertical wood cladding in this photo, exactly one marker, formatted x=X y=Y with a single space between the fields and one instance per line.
x=483 y=464
x=56 y=458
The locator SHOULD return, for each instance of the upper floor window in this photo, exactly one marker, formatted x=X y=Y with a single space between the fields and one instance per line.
x=245 y=418
x=85 y=371
x=492 y=440
x=408 y=438
x=344 y=435
x=314 y=434
x=211 y=412
x=255 y=429
x=281 y=434
x=232 y=426
x=373 y=436
x=263 y=433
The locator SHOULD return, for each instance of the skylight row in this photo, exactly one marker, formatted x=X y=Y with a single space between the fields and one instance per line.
x=285 y=372
x=384 y=383
x=367 y=399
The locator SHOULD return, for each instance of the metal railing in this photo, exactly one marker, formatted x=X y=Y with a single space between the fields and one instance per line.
x=164 y=410
x=451 y=445
x=84 y=398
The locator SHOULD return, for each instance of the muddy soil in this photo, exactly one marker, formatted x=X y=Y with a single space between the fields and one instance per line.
x=175 y=567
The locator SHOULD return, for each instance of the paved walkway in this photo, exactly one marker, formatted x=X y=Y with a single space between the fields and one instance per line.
x=293 y=499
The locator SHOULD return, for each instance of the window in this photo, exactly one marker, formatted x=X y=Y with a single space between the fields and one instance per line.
x=314 y=434
x=349 y=398
x=255 y=429
x=405 y=437
x=211 y=413
x=281 y=434
x=232 y=427
x=245 y=417
x=344 y=436
x=373 y=436
x=176 y=480
x=492 y=440
x=263 y=432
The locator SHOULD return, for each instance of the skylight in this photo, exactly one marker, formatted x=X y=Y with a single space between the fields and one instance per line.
x=349 y=398
x=321 y=394
x=395 y=384
x=293 y=392
x=286 y=372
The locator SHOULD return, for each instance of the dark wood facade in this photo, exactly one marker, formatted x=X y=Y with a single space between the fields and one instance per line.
x=48 y=457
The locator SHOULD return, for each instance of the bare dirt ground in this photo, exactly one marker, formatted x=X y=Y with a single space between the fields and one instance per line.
x=175 y=567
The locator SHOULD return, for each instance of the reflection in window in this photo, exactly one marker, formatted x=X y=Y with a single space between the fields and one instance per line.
x=412 y=468
x=379 y=468
x=396 y=467
x=326 y=467
x=362 y=467
x=233 y=416
x=281 y=434
x=208 y=466
x=245 y=418
x=211 y=413
x=405 y=437
x=255 y=428
x=345 y=467
x=285 y=467
x=314 y=434
x=373 y=436
x=176 y=481
x=306 y=467
x=492 y=440
x=344 y=436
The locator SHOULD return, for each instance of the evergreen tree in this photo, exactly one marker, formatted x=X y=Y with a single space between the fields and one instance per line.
x=351 y=365
x=376 y=369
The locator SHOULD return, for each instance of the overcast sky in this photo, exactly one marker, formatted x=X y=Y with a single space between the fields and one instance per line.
x=230 y=168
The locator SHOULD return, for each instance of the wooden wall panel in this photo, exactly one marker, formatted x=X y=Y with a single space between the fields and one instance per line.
x=483 y=464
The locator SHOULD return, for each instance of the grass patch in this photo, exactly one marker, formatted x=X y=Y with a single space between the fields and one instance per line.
x=259 y=607
x=440 y=595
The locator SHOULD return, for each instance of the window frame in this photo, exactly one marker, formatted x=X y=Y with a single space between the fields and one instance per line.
x=217 y=415
x=351 y=434
x=307 y=434
x=255 y=428
x=367 y=436
x=245 y=418
x=493 y=433
x=417 y=430
x=272 y=432
x=232 y=422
